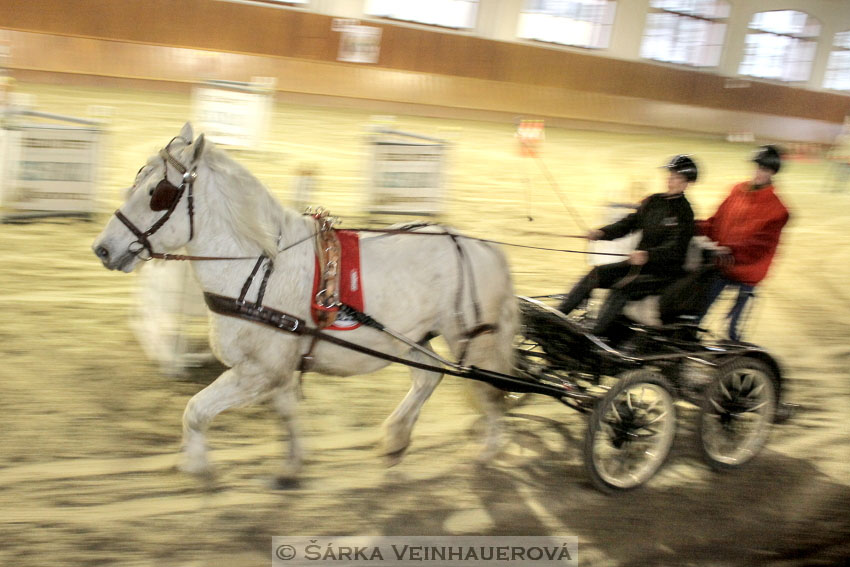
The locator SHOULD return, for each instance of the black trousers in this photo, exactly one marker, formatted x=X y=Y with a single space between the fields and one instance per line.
x=626 y=282
x=690 y=294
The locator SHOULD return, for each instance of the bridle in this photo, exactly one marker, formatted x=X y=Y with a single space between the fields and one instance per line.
x=164 y=197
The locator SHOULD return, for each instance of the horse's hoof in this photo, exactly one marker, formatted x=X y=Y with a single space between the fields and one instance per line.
x=512 y=400
x=488 y=454
x=286 y=482
x=395 y=457
x=201 y=469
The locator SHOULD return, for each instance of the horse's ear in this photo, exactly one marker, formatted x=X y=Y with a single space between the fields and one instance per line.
x=186 y=132
x=199 y=148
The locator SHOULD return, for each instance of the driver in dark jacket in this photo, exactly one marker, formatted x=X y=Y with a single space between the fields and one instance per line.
x=667 y=224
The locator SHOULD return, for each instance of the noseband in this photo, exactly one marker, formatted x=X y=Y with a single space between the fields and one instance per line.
x=165 y=197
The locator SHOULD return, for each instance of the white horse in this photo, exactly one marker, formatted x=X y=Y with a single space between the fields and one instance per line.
x=412 y=284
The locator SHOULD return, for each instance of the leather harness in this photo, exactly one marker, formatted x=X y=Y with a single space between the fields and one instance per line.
x=326 y=304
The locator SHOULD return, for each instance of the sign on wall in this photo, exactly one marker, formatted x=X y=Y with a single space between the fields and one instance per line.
x=406 y=174
x=357 y=43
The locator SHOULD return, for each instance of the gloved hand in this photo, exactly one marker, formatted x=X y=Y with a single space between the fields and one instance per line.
x=723 y=257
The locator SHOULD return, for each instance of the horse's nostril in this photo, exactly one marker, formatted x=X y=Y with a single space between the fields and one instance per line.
x=102 y=252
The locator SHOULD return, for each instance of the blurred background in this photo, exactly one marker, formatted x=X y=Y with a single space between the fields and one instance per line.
x=520 y=106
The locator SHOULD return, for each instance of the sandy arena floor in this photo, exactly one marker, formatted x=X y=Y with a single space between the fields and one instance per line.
x=89 y=428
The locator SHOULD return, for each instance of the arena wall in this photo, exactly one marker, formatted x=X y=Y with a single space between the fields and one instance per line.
x=175 y=44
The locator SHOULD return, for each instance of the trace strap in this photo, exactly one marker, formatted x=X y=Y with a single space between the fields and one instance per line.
x=281 y=321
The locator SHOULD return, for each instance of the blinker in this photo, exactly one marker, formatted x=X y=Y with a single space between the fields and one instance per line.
x=164 y=196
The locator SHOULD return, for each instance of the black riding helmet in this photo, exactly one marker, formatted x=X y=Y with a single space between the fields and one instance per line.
x=683 y=165
x=769 y=157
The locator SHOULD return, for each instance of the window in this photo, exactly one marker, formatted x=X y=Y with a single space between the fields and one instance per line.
x=458 y=14
x=781 y=45
x=582 y=23
x=687 y=32
x=838 y=67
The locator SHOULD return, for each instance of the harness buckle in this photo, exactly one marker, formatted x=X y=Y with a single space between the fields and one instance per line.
x=327 y=301
x=331 y=268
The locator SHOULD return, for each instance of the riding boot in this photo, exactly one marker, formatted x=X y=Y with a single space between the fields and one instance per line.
x=612 y=307
x=579 y=293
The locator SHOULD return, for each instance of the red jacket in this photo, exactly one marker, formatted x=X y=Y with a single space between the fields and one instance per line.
x=748 y=223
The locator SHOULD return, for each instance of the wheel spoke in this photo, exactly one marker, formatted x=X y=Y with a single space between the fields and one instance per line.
x=718 y=407
x=756 y=391
x=756 y=407
x=616 y=413
x=748 y=382
x=724 y=390
x=651 y=406
x=650 y=433
x=659 y=416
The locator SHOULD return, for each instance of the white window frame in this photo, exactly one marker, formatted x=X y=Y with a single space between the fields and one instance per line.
x=838 y=66
x=777 y=54
x=688 y=20
x=453 y=14
x=566 y=22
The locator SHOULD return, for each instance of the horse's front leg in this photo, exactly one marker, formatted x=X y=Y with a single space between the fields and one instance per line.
x=286 y=403
x=399 y=425
x=490 y=401
x=239 y=386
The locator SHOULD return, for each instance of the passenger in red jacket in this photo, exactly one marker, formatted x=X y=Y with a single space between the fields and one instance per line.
x=747 y=225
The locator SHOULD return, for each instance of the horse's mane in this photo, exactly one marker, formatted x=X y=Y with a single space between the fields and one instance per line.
x=246 y=205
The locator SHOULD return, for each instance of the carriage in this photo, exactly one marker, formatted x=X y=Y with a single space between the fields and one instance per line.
x=442 y=283
x=629 y=386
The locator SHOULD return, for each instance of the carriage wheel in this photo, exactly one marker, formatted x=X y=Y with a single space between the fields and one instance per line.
x=631 y=431
x=737 y=410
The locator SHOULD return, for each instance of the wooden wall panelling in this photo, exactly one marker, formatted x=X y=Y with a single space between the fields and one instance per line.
x=230 y=27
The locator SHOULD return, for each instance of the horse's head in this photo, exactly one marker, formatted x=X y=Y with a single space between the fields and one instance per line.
x=157 y=215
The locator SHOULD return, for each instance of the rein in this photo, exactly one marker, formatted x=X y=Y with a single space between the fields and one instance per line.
x=487 y=240
x=184 y=257
x=166 y=197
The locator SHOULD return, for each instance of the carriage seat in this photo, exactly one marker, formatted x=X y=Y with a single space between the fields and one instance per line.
x=646 y=311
